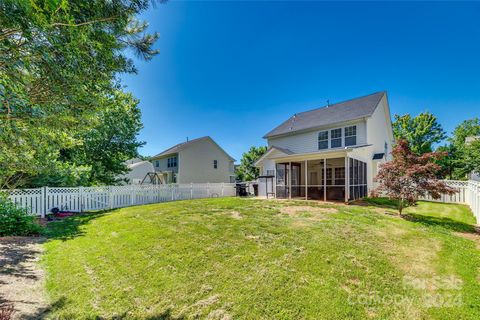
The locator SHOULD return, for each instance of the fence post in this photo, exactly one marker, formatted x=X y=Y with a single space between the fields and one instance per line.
x=222 y=188
x=110 y=197
x=208 y=189
x=191 y=190
x=80 y=198
x=173 y=191
x=132 y=195
x=43 y=202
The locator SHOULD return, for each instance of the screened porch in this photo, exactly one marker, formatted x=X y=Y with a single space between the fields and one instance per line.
x=336 y=179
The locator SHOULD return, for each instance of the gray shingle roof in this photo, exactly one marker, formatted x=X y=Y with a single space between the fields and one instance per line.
x=335 y=113
x=176 y=148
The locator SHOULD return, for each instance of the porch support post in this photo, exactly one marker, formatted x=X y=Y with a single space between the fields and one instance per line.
x=274 y=182
x=347 y=180
x=324 y=179
x=306 y=179
x=290 y=180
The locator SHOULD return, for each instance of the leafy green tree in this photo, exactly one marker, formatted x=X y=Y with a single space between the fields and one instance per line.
x=421 y=132
x=465 y=156
x=59 y=66
x=448 y=163
x=113 y=141
x=468 y=128
x=104 y=148
x=247 y=171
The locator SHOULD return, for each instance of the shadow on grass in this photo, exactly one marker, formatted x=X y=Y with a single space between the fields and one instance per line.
x=165 y=315
x=44 y=312
x=443 y=222
x=426 y=220
x=376 y=202
x=70 y=227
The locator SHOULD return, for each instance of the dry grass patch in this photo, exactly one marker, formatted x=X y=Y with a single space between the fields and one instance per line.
x=296 y=211
x=235 y=215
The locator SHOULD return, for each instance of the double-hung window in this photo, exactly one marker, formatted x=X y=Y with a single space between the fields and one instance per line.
x=323 y=140
x=215 y=164
x=336 y=138
x=172 y=162
x=350 y=136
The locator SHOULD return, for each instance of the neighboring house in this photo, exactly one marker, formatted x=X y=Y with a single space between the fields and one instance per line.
x=473 y=175
x=330 y=153
x=138 y=171
x=200 y=160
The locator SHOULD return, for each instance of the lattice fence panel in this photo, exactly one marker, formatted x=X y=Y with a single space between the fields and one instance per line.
x=30 y=199
x=42 y=200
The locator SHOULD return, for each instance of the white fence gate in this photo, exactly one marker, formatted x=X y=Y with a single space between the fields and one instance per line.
x=40 y=201
x=468 y=192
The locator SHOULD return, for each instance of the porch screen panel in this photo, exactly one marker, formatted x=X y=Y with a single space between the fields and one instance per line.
x=335 y=182
x=297 y=180
x=358 y=179
x=282 y=180
x=315 y=179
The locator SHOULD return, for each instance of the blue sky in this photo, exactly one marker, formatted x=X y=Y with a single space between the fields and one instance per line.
x=234 y=70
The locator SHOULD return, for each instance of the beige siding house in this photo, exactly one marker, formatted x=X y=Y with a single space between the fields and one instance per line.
x=138 y=170
x=200 y=160
x=329 y=153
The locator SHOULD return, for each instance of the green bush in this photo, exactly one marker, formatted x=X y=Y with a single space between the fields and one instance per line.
x=15 y=221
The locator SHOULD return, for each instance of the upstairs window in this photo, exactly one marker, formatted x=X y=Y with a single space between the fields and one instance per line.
x=336 y=138
x=215 y=164
x=323 y=140
x=350 y=136
x=172 y=162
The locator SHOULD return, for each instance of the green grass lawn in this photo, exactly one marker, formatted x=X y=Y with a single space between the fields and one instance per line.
x=240 y=258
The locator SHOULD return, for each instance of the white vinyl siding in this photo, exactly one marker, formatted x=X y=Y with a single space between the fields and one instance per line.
x=379 y=129
x=309 y=141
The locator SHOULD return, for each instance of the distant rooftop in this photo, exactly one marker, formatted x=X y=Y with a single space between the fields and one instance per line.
x=176 y=148
x=335 y=113
x=180 y=146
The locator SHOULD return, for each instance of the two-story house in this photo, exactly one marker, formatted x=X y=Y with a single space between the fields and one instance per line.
x=329 y=153
x=199 y=160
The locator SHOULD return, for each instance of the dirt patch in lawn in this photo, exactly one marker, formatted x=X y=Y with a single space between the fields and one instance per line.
x=306 y=210
x=235 y=215
x=21 y=278
x=475 y=236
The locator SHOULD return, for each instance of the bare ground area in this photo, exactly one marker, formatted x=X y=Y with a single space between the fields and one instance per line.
x=21 y=278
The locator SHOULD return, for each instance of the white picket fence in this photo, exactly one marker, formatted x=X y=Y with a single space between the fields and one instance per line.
x=468 y=192
x=41 y=200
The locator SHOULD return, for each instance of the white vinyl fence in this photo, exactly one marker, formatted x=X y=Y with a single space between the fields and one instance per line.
x=468 y=192
x=41 y=200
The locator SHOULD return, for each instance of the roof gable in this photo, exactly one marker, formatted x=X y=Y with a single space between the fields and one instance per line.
x=179 y=147
x=336 y=113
